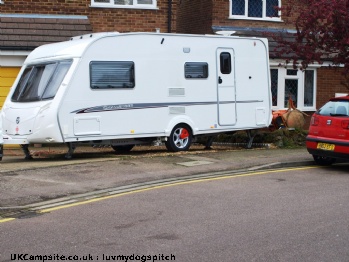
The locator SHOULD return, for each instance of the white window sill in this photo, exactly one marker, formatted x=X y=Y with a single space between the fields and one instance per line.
x=256 y=18
x=124 y=6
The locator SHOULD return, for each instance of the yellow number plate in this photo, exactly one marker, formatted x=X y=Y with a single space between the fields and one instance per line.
x=325 y=146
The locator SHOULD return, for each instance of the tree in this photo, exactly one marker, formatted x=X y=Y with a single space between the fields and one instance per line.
x=321 y=33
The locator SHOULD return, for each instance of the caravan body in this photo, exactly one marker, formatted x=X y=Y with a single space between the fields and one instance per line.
x=126 y=89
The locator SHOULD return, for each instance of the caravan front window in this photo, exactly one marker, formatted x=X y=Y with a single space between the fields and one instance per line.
x=40 y=82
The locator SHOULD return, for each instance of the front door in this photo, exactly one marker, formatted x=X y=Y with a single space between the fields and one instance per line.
x=226 y=87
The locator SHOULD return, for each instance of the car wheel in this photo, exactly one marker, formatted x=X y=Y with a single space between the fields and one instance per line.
x=180 y=138
x=324 y=160
x=123 y=149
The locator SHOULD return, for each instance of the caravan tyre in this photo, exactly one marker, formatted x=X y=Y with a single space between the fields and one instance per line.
x=179 y=139
x=123 y=149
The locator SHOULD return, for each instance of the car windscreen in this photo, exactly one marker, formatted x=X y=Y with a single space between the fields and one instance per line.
x=40 y=82
x=335 y=108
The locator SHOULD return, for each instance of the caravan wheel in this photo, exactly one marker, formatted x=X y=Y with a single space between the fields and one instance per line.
x=123 y=149
x=179 y=139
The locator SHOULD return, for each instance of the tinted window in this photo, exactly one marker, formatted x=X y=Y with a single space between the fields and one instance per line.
x=334 y=108
x=40 y=82
x=115 y=74
x=225 y=61
x=196 y=70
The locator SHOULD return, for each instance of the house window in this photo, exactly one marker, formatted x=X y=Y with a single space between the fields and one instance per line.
x=292 y=84
x=255 y=9
x=309 y=83
x=274 y=86
x=109 y=75
x=142 y=4
x=196 y=70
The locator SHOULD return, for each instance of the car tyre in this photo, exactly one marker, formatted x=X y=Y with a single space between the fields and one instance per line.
x=324 y=160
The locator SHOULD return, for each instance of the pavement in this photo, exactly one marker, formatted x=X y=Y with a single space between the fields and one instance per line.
x=49 y=179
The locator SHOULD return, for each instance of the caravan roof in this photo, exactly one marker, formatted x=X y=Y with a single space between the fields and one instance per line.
x=68 y=49
x=76 y=46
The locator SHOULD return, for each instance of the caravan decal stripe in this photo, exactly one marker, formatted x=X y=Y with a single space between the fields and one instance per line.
x=118 y=107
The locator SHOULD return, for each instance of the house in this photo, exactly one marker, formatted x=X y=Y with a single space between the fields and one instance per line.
x=25 y=25
x=309 y=90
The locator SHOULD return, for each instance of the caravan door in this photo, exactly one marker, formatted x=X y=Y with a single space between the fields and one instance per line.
x=226 y=87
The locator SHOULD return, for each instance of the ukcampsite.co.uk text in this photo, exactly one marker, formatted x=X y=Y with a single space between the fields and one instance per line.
x=89 y=257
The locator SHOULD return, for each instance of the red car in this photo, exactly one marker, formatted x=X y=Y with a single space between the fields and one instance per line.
x=328 y=137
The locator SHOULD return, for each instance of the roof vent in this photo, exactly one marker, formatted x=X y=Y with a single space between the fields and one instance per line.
x=225 y=33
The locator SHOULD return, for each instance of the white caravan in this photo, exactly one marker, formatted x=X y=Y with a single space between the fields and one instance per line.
x=124 y=89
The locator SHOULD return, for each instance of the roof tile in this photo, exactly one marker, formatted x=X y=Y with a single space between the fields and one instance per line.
x=28 y=33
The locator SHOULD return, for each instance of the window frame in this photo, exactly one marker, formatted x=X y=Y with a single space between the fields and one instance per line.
x=135 y=5
x=116 y=87
x=33 y=82
x=225 y=63
x=282 y=76
x=246 y=17
x=205 y=70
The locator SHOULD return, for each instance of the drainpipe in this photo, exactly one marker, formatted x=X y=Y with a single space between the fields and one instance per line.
x=169 y=22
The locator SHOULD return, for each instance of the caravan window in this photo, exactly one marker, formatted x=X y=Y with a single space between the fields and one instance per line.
x=40 y=82
x=225 y=61
x=196 y=70
x=107 y=74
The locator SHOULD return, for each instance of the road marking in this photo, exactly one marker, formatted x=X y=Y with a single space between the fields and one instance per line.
x=6 y=219
x=193 y=179
x=152 y=187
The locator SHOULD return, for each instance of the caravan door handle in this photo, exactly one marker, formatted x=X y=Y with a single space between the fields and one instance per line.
x=220 y=81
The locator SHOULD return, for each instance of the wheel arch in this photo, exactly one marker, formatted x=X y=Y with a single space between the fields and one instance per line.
x=180 y=120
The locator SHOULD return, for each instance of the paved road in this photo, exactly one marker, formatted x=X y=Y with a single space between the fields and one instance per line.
x=49 y=176
x=272 y=215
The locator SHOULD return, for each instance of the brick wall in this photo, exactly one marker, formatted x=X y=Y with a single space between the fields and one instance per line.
x=198 y=16
x=194 y=16
x=102 y=19
x=329 y=82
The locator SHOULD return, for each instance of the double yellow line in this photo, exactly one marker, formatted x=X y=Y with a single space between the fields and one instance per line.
x=170 y=184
